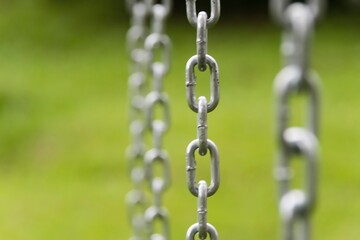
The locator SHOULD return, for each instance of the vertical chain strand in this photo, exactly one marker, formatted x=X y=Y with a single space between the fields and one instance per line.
x=145 y=37
x=296 y=205
x=202 y=107
x=136 y=199
x=158 y=41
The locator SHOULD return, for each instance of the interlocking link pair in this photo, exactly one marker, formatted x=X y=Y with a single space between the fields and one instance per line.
x=143 y=43
x=202 y=107
x=298 y=21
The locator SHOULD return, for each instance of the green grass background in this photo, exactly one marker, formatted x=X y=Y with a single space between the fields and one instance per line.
x=63 y=124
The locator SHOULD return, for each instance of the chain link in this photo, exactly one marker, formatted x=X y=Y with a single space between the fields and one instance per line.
x=191 y=83
x=193 y=17
x=298 y=20
x=142 y=45
x=278 y=9
x=202 y=107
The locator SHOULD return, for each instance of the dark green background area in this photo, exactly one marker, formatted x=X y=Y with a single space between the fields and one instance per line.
x=113 y=10
x=231 y=6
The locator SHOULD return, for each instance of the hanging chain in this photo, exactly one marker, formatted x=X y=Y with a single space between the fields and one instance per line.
x=136 y=198
x=202 y=107
x=143 y=44
x=156 y=98
x=298 y=21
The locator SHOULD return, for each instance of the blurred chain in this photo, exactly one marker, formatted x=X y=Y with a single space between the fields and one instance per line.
x=143 y=44
x=202 y=107
x=136 y=199
x=156 y=42
x=298 y=22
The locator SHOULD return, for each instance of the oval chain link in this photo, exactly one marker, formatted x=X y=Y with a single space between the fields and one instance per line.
x=191 y=83
x=202 y=107
x=295 y=205
x=142 y=43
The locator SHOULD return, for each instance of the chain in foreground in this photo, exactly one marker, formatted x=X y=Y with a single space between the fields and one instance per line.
x=298 y=22
x=143 y=45
x=202 y=107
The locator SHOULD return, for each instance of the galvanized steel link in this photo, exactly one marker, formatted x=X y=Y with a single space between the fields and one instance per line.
x=160 y=214
x=137 y=32
x=191 y=168
x=137 y=148
x=136 y=202
x=158 y=184
x=167 y=4
x=131 y=3
x=295 y=224
x=202 y=209
x=194 y=229
x=299 y=141
x=290 y=81
x=192 y=16
x=160 y=13
x=191 y=83
x=156 y=41
x=202 y=125
x=152 y=100
x=278 y=8
x=297 y=35
x=149 y=4
x=136 y=87
x=201 y=40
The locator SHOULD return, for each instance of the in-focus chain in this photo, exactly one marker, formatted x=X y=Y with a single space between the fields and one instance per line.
x=298 y=22
x=202 y=107
x=144 y=41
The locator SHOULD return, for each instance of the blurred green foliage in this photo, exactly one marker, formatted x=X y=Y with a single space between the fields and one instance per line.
x=63 y=125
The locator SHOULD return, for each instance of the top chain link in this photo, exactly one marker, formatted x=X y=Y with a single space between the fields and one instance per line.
x=278 y=9
x=193 y=18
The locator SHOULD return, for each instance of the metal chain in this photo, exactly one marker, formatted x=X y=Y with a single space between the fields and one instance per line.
x=202 y=107
x=298 y=21
x=156 y=98
x=142 y=46
x=136 y=199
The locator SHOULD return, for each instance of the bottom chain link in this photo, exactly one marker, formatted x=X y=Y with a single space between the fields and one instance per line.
x=194 y=229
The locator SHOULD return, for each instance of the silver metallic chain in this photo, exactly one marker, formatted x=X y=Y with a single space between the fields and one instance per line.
x=202 y=107
x=298 y=22
x=143 y=43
